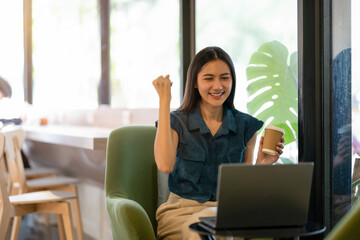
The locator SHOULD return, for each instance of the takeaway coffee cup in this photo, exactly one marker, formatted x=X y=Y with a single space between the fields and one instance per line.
x=272 y=136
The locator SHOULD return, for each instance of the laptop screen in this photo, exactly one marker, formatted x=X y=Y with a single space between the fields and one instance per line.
x=263 y=195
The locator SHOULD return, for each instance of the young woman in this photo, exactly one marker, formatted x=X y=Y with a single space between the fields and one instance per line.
x=204 y=132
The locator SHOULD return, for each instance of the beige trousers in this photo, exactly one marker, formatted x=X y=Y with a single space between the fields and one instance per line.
x=175 y=216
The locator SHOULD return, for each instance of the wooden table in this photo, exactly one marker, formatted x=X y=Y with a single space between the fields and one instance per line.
x=75 y=150
x=74 y=136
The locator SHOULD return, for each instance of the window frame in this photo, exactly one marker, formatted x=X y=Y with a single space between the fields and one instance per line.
x=28 y=65
x=187 y=48
x=313 y=101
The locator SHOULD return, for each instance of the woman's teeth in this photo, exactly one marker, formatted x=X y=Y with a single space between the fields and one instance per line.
x=216 y=94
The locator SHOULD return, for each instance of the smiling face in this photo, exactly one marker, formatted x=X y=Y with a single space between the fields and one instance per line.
x=214 y=83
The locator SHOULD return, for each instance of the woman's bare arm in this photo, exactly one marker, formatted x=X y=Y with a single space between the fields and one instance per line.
x=249 y=151
x=166 y=139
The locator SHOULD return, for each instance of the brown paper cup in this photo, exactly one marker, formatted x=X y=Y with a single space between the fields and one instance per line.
x=272 y=136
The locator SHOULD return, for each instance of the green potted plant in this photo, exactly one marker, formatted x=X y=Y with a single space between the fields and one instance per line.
x=273 y=88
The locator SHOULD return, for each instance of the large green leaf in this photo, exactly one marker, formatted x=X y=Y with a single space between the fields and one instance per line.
x=272 y=87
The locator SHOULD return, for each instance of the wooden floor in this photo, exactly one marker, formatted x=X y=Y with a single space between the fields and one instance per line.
x=32 y=229
x=38 y=232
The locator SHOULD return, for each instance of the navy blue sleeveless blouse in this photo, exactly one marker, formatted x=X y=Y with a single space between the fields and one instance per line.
x=199 y=153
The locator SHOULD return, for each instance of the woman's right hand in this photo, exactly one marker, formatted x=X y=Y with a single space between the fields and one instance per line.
x=166 y=139
x=163 y=85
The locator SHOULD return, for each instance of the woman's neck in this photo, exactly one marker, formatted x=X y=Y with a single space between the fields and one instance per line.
x=211 y=113
x=213 y=117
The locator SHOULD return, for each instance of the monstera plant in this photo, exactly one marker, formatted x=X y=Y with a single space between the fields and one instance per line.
x=272 y=88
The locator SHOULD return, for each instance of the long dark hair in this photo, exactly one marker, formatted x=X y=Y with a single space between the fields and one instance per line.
x=5 y=87
x=208 y=54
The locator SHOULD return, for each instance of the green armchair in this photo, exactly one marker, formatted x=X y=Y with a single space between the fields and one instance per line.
x=131 y=182
x=348 y=227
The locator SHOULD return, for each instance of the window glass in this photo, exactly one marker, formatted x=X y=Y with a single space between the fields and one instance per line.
x=355 y=96
x=261 y=39
x=12 y=46
x=66 y=53
x=144 y=41
x=341 y=108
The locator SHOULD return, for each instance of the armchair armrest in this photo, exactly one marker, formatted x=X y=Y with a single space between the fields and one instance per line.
x=128 y=219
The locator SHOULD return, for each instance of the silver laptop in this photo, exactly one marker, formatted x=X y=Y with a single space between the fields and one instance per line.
x=262 y=196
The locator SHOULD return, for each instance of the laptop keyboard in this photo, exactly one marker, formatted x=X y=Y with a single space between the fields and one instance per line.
x=210 y=221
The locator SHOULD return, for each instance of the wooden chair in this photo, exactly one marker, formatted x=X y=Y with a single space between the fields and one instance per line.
x=30 y=173
x=20 y=184
x=22 y=204
x=33 y=173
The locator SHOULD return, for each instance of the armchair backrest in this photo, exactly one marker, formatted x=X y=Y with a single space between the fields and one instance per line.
x=131 y=175
x=348 y=226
